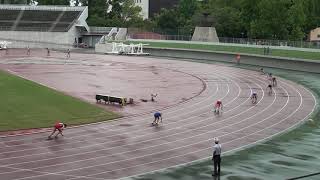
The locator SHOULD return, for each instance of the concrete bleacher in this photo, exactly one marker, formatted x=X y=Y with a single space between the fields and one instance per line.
x=34 y=15
x=28 y=18
x=8 y=15
x=70 y=16
x=42 y=26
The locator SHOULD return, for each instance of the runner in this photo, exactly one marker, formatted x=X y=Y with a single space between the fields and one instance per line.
x=48 y=51
x=28 y=51
x=254 y=98
x=262 y=71
x=58 y=126
x=269 y=88
x=157 y=118
x=274 y=81
x=68 y=53
x=218 y=107
x=153 y=96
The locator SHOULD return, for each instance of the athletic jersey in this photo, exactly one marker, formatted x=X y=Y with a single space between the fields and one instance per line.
x=219 y=102
x=59 y=125
x=157 y=114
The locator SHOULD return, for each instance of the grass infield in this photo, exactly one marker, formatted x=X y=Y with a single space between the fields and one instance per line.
x=235 y=49
x=25 y=104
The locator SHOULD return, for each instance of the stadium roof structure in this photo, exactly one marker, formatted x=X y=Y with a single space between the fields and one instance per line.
x=41 y=18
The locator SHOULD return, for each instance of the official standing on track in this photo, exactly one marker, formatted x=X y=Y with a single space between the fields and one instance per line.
x=216 y=157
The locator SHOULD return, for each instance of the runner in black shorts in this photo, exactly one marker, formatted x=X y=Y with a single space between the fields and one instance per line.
x=274 y=81
x=269 y=89
x=254 y=98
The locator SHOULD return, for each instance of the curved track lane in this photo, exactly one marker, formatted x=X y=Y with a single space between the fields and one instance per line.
x=130 y=146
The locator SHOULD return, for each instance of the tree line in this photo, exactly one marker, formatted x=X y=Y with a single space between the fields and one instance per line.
x=262 y=19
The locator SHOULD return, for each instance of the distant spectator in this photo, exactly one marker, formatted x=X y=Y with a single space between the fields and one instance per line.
x=68 y=53
x=28 y=51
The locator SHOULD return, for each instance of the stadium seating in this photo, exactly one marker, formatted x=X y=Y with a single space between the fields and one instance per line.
x=9 y=15
x=70 y=16
x=38 y=20
x=33 y=15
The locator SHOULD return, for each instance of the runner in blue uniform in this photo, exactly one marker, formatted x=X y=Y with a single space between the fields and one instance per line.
x=157 y=118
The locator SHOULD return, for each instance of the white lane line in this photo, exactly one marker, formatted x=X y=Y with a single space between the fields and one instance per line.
x=118 y=140
x=86 y=134
x=133 y=137
x=191 y=144
x=149 y=147
x=114 y=123
x=110 y=123
x=236 y=149
x=168 y=150
x=119 y=146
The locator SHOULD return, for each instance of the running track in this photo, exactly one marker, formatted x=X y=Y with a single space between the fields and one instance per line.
x=130 y=146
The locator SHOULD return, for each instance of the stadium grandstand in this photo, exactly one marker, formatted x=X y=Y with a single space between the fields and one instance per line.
x=40 y=26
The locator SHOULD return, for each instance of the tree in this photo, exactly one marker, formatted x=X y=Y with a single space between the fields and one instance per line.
x=228 y=22
x=272 y=20
x=297 y=19
x=167 y=20
x=130 y=12
x=187 y=8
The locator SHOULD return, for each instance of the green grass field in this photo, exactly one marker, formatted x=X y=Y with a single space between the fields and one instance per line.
x=25 y=104
x=235 y=49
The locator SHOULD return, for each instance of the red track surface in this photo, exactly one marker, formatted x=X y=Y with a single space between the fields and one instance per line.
x=130 y=146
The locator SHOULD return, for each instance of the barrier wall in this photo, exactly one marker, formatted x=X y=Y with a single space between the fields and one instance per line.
x=259 y=60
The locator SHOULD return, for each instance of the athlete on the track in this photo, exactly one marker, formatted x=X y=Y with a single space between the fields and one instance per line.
x=274 y=81
x=218 y=107
x=157 y=118
x=254 y=98
x=269 y=88
x=58 y=126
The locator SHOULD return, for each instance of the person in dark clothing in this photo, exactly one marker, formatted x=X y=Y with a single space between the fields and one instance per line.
x=157 y=118
x=216 y=157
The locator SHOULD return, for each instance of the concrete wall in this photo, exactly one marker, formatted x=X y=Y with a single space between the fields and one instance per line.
x=206 y=34
x=266 y=61
x=103 y=48
x=122 y=34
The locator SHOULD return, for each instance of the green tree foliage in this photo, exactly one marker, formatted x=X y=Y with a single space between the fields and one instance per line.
x=270 y=19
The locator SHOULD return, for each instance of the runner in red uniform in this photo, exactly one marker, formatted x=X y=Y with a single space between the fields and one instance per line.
x=58 y=126
x=218 y=106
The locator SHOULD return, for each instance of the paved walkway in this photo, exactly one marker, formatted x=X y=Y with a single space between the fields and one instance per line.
x=130 y=146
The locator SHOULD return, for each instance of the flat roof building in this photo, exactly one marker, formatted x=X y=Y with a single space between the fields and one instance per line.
x=152 y=7
x=315 y=35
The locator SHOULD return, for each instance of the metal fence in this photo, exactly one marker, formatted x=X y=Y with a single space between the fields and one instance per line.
x=157 y=34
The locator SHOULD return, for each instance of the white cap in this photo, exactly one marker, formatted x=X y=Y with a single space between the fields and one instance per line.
x=216 y=140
